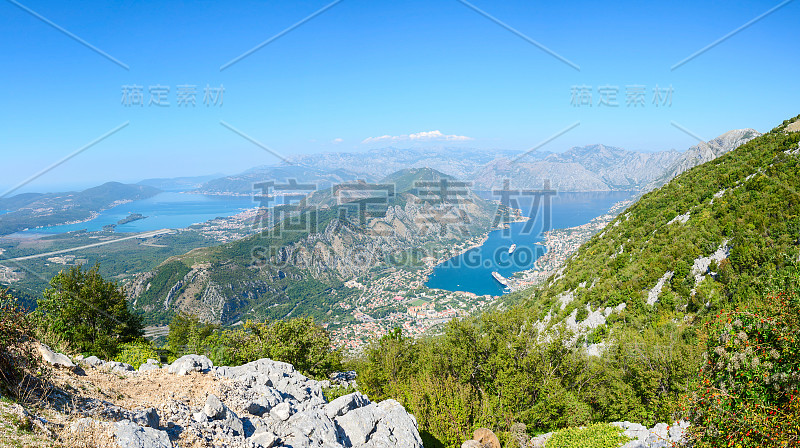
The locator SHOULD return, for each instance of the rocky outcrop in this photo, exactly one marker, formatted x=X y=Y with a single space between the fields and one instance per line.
x=55 y=359
x=704 y=152
x=262 y=404
x=662 y=435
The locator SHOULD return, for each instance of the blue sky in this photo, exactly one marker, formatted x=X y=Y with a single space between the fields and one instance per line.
x=365 y=69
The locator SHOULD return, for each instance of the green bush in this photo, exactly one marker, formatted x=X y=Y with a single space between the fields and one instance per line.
x=19 y=360
x=298 y=341
x=136 y=353
x=599 y=435
x=187 y=334
x=749 y=390
x=332 y=393
x=89 y=313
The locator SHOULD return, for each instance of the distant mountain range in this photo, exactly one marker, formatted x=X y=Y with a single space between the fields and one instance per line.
x=243 y=184
x=704 y=152
x=179 y=183
x=585 y=168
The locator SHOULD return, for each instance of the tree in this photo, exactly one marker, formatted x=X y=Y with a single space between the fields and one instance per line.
x=297 y=341
x=187 y=333
x=91 y=314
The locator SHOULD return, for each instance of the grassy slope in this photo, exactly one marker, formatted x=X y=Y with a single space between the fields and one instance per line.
x=757 y=214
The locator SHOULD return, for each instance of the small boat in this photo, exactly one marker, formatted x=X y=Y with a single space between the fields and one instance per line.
x=500 y=279
x=512 y=249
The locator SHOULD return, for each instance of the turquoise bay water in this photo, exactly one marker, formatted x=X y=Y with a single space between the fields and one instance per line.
x=471 y=271
x=164 y=211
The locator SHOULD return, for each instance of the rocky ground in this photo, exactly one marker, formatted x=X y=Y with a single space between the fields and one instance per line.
x=192 y=403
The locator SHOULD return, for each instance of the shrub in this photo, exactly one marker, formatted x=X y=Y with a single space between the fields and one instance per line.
x=748 y=394
x=19 y=361
x=187 y=334
x=332 y=393
x=297 y=341
x=91 y=314
x=599 y=435
x=136 y=353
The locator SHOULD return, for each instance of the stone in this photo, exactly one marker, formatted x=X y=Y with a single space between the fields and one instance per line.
x=540 y=441
x=131 y=435
x=148 y=367
x=471 y=444
x=148 y=417
x=85 y=424
x=151 y=364
x=233 y=421
x=93 y=361
x=314 y=425
x=661 y=429
x=281 y=411
x=54 y=358
x=119 y=367
x=190 y=363
x=214 y=408
x=345 y=403
x=661 y=435
x=486 y=437
x=396 y=427
x=356 y=426
x=263 y=440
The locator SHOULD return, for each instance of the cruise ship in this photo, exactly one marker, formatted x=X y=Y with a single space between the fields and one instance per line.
x=500 y=279
x=512 y=248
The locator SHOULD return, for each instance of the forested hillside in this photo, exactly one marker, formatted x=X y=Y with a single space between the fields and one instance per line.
x=619 y=333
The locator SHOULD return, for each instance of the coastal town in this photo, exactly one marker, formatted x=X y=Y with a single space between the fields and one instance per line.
x=399 y=298
x=560 y=245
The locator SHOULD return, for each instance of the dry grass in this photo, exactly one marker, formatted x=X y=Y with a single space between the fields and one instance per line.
x=61 y=405
x=144 y=390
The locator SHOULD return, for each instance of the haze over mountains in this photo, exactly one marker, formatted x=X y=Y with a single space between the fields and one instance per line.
x=587 y=168
x=579 y=169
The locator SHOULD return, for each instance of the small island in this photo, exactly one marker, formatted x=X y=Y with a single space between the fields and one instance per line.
x=131 y=218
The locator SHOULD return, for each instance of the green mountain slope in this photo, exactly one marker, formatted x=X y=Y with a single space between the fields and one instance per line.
x=713 y=235
x=298 y=266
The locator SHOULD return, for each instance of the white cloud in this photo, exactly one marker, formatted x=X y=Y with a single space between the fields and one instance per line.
x=337 y=140
x=418 y=136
